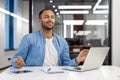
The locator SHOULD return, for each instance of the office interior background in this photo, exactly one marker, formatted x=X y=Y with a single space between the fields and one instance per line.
x=83 y=23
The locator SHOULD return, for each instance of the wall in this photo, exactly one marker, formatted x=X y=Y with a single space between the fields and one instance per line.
x=3 y=61
x=37 y=7
x=22 y=28
x=116 y=32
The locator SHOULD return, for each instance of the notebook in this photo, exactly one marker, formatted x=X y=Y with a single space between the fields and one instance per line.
x=51 y=70
x=94 y=59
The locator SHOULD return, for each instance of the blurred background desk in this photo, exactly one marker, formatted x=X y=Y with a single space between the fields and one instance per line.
x=103 y=73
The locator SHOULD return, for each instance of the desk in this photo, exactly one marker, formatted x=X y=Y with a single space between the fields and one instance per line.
x=103 y=73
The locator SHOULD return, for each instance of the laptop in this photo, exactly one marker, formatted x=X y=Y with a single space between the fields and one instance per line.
x=94 y=59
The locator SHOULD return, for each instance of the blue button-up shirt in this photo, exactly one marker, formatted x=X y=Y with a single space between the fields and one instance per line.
x=32 y=50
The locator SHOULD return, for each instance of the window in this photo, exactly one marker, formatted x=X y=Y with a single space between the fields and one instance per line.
x=81 y=22
x=16 y=22
x=9 y=25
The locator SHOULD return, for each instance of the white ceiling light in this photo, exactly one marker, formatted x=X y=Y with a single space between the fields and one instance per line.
x=100 y=12
x=13 y=15
x=96 y=22
x=74 y=7
x=53 y=6
x=51 y=1
x=55 y=10
x=73 y=22
x=99 y=1
x=4 y=11
x=57 y=13
x=74 y=12
x=102 y=7
x=83 y=32
x=18 y=17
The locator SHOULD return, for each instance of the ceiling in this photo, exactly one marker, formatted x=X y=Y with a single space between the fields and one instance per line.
x=98 y=9
x=88 y=2
x=92 y=3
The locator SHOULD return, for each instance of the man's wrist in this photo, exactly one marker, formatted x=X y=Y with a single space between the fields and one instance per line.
x=79 y=63
x=76 y=60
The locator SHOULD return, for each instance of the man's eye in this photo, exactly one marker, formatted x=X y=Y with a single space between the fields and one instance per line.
x=46 y=17
x=53 y=17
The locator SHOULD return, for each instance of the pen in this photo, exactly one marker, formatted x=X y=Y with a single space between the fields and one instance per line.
x=49 y=69
x=21 y=71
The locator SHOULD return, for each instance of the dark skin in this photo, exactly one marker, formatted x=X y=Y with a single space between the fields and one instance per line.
x=47 y=21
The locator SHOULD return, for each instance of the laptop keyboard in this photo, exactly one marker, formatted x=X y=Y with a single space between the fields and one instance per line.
x=73 y=68
x=78 y=68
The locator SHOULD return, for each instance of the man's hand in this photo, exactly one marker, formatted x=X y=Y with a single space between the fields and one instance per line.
x=19 y=62
x=82 y=55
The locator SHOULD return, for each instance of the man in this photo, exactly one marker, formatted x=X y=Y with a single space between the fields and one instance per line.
x=45 y=48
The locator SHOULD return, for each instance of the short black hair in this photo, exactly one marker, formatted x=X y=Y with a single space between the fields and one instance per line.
x=40 y=13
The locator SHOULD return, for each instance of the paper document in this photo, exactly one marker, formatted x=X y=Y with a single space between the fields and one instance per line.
x=51 y=70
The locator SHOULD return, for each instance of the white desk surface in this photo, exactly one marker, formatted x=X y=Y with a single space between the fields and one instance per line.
x=103 y=73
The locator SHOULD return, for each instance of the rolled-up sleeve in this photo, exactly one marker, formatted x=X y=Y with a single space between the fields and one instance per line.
x=22 y=50
x=66 y=56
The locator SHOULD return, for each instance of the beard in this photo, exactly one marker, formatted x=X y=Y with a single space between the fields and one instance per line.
x=47 y=28
x=44 y=26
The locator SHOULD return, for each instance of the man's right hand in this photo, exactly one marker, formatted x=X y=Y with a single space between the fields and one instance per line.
x=19 y=62
x=82 y=56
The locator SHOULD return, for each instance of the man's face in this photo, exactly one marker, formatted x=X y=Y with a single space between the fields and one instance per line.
x=47 y=20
